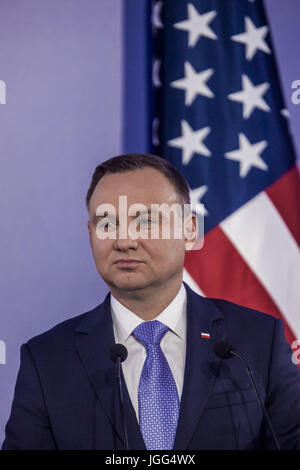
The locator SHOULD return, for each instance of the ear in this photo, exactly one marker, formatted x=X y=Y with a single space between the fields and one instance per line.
x=190 y=230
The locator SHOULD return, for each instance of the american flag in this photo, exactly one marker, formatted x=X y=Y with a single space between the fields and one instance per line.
x=219 y=117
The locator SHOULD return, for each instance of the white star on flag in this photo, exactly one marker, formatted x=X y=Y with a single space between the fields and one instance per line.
x=253 y=38
x=197 y=25
x=194 y=83
x=251 y=96
x=248 y=155
x=156 y=15
x=195 y=196
x=191 y=142
x=285 y=113
x=155 y=72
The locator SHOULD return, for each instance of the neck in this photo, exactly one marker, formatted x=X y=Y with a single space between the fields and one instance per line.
x=148 y=305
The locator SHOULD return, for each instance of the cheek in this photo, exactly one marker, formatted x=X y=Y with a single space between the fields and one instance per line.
x=100 y=248
x=167 y=252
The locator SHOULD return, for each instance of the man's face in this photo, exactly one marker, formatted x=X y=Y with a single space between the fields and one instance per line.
x=157 y=261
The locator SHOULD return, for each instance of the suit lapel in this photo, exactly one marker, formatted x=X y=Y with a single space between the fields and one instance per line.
x=94 y=338
x=201 y=363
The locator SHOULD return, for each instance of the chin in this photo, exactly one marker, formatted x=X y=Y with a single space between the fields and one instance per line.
x=127 y=281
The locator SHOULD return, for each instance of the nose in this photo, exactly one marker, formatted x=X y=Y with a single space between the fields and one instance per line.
x=125 y=242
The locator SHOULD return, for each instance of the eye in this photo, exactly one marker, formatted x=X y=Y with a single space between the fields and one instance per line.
x=106 y=226
x=147 y=221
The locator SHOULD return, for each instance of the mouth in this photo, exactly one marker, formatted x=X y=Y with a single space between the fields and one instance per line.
x=126 y=263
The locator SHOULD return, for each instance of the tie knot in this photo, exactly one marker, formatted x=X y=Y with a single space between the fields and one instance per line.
x=150 y=333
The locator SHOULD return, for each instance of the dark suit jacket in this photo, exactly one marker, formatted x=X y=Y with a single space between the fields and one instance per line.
x=66 y=396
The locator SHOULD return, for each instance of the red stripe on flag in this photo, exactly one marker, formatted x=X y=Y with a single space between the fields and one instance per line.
x=285 y=195
x=222 y=273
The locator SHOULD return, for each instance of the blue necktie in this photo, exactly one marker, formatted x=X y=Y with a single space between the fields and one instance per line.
x=157 y=395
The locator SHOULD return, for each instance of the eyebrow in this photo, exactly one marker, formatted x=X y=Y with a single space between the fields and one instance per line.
x=96 y=217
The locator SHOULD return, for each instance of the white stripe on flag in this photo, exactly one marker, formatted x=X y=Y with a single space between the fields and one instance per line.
x=190 y=281
x=264 y=241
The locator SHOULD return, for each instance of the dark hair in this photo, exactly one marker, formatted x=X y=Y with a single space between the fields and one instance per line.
x=135 y=161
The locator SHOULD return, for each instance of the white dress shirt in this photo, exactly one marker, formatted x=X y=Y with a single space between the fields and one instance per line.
x=173 y=343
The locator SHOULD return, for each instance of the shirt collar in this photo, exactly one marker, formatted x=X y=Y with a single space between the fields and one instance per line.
x=173 y=316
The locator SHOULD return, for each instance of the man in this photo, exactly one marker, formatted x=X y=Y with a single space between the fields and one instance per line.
x=177 y=392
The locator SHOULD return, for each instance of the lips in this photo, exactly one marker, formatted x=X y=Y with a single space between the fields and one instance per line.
x=127 y=262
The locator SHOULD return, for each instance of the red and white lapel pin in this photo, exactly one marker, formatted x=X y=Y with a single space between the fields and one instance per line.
x=205 y=335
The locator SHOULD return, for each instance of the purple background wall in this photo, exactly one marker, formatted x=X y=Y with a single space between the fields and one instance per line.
x=75 y=76
x=284 y=23
x=61 y=61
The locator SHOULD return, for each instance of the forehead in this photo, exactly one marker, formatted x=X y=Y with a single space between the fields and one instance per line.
x=145 y=185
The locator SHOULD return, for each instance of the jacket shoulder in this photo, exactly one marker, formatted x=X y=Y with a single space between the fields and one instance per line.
x=61 y=332
x=233 y=311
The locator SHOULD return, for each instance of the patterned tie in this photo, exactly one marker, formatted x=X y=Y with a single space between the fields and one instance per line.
x=158 y=398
